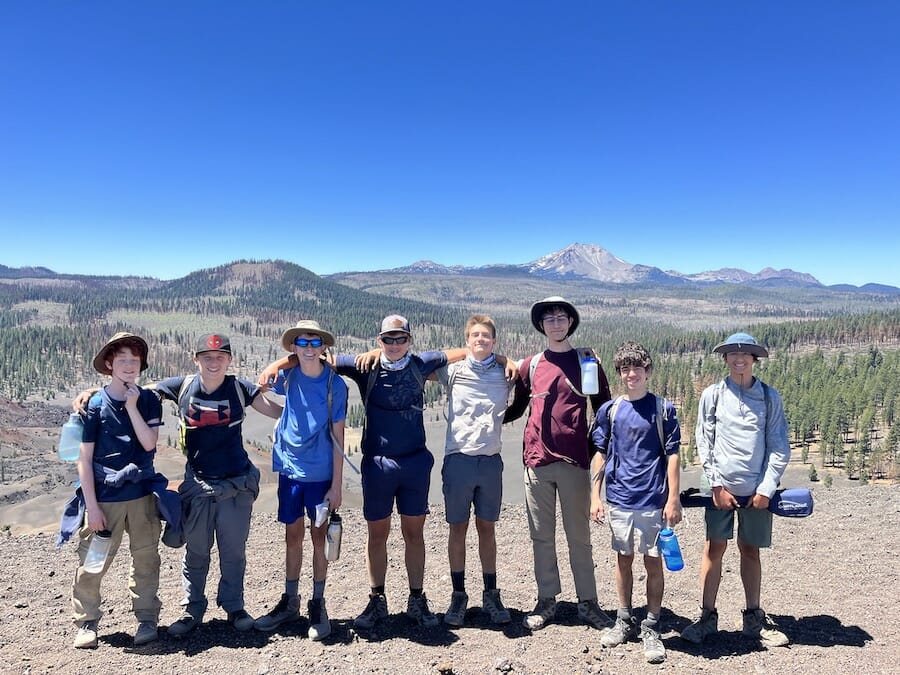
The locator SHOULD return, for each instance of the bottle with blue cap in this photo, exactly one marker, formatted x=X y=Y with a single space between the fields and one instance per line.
x=671 y=551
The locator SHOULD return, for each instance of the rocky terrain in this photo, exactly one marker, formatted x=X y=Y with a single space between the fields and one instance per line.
x=830 y=582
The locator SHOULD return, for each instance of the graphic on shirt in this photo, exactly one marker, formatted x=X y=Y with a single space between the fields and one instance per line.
x=204 y=413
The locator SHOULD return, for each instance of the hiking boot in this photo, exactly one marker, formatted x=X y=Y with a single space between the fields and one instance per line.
x=621 y=631
x=241 y=620
x=376 y=609
x=707 y=624
x=287 y=609
x=540 y=616
x=185 y=624
x=319 y=625
x=589 y=612
x=146 y=632
x=758 y=625
x=493 y=605
x=654 y=650
x=417 y=610
x=456 y=614
x=86 y=637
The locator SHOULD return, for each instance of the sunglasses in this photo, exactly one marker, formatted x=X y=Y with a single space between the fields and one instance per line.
x=399 y=340
x=303 y=342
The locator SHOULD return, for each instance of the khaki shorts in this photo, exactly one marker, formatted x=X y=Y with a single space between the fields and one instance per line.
x=634 y=531
x=754 y=526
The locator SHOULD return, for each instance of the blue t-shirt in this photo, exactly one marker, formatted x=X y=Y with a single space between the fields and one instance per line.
x=635 y=475
x=395 y=425
x=213 y=442
x=109 y=428
x=303 y=448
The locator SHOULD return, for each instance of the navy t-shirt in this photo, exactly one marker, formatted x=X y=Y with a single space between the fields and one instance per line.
x=395 y=424
x=109 y=428
x=213 y=442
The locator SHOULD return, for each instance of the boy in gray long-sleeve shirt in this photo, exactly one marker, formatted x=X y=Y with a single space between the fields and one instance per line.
x=743 y=445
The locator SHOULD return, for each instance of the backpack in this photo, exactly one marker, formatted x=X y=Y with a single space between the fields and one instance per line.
x=183 y=426
x=532 y=366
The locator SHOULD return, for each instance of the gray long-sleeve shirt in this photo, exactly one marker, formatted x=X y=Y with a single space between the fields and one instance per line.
x=742 y=441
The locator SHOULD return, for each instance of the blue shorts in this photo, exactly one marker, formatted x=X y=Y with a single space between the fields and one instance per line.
x=294 y=497
x=472 y=479
x=406 y=479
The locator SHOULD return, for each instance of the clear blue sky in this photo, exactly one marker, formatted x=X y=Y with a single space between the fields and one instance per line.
x=157 y=138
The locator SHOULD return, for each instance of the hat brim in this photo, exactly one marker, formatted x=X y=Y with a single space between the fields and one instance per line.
x=291 y=334
x=99 y=361
x=538 y=309
x=728 y=347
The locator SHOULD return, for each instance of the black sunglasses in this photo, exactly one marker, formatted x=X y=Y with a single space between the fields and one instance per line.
x=399 y=340
x=303 y=342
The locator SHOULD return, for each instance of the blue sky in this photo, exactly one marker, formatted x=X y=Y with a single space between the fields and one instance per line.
x=157 y=138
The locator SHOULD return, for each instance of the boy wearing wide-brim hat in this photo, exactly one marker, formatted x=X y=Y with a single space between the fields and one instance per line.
x=121 y=427
x=556 y=457
x=308 y=458
x=742 y=441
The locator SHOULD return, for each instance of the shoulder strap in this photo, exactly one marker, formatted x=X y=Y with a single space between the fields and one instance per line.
x=660 y=416
x=182 y=390
x=532 y=366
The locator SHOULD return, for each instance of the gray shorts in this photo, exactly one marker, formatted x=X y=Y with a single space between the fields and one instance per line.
x=754 y=526
x=472 y=479
x=634 y=531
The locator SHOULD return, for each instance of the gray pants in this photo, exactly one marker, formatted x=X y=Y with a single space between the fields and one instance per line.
x=222 y=517
x=572 y=484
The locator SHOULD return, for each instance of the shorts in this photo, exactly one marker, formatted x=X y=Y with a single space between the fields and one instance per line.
x=634 y=531
x=754 y=526
x=472 y=479
x=294 y=497
x=405 y=479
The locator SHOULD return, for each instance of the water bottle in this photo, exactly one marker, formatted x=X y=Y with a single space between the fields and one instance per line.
x=70 y=438
x=97 y=552
x=333 y=537
x=671 y=551
x=590 y=376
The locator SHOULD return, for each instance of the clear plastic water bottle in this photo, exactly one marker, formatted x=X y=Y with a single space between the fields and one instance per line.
x=333 y=537
x=98 y=552
x=70 y=438
x=671 y=551
x=590 y=376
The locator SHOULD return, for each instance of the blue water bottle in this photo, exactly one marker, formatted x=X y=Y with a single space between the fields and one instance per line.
x=70 y=439
x=671 y=551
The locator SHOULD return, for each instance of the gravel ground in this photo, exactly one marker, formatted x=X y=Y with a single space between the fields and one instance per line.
x=825 y=583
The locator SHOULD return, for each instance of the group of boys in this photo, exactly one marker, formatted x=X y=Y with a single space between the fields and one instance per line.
x=634 y=440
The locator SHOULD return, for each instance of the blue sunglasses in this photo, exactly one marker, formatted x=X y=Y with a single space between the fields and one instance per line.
x=303 y=342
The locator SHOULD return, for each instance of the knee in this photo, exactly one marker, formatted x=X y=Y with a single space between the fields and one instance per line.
x=715 y=549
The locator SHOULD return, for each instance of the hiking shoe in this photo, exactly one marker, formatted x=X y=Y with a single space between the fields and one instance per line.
x=86 y=637
x=589 y=612
x=654 y=650
x=185 y=624
x=707 y=624
x=540 y=616
x=758 y=625
x=376 y=609
x=241 y=620
x=456 y=614
x=493 y=605
x=417 y=610
x=287 y=609
x=621 y=631
x=146 y=632
x=319 y=625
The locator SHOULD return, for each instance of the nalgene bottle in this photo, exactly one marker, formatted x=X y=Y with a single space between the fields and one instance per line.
x=97 y=552
x=70 y=438
x=333 y=537
x=590 y=376
x=671 y=551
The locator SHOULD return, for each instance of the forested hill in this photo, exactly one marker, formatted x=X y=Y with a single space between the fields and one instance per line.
x=837 y=365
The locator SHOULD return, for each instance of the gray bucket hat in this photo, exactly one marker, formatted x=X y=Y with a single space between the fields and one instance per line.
x=306 y=326
x=538 y=309
x=741 y=342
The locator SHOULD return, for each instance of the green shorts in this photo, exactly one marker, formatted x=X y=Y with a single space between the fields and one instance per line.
x=754 y=526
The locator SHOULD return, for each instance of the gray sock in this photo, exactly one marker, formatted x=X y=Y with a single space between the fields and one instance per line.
x=318 y=589
x=624 y=613
x=292 y=587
